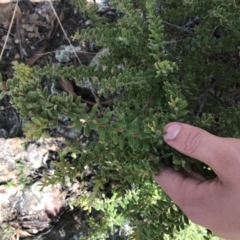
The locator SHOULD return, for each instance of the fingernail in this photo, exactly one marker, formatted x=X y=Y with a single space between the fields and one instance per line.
x=172 y=132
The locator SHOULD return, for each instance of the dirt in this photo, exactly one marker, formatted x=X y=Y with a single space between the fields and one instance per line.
x=31 y=33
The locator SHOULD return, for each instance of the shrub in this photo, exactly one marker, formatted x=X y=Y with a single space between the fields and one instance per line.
x=169 y=61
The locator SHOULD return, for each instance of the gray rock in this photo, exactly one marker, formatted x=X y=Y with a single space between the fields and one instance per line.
x=66 y=52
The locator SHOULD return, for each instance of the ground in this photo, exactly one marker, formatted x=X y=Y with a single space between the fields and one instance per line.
x=32 y=33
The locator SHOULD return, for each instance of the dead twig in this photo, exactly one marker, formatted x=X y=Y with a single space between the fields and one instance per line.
x=68 y=87
x=75 y=53
x=64 y=32
x=9 y=30
x=182 y=29
x=19 y=35
x=30 y=61
x=216 y=81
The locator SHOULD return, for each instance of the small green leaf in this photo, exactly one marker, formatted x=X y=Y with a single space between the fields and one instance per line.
x=147 y=130
x=167 y=155
x=146 y=146
x=78 y=100
x=2 y=94
x=110 y=129
x=70 y=99
x=36 y=121
x=114 y=138
x=186 y=220
x=187 y=167
x=121 y=141
x=31 y=94
x=28 y=106
x=87 y=130
x=102 y=120
x=72 y=115
x=93 y=125
x=94 y=110
x=9 y=83
x=45 y=92
x=54 y=123
x=120 y=125
x=14 y=82
x=177 y=162
x=50 y=114
x=128 y=132
x=122 y=204
x=108 y=115
x=36 y=107
x=78 y=124
x=84 y=116
x=101 y=133
x=131 y=141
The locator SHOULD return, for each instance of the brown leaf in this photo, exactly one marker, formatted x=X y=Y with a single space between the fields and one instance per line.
x=4 y=86
x=21 y=233
x=30 y=61
x=67 y=87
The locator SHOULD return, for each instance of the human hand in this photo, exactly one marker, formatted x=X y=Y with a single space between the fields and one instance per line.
x=214 y=204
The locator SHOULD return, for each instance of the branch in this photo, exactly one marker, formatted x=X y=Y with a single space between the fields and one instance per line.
x=182 y=29
x=216 y=81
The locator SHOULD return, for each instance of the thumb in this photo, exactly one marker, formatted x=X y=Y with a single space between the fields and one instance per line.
x=196 y=143
x=220 y=154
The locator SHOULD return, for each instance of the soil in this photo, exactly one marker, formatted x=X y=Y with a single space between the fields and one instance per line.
x=35 y=36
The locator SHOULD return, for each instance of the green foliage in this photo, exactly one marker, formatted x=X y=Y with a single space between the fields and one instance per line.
x=169 y=61
x=23 y=179
x=6 y=231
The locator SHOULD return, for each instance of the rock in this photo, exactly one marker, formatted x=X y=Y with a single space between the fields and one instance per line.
x=10 y=122
x=103 y=5
x=42 y=205
x=17 y=56
x=103 y=52
x=65 y=53
x=22 y=202
x=94 y=62
x=33 y=17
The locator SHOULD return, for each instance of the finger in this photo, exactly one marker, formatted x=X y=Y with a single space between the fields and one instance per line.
x=178 y=185
x=194 y=195
x=205 y=147
x=197 y=176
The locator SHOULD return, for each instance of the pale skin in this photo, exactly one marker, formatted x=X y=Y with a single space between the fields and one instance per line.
x=214 y=204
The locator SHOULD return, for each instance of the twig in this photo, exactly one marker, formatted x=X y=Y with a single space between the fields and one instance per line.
x=30 y=61
x=224 y=76
x=182 y=29
x=75 y=53
x=107 y=102
x=147 y=104
x=18 y=17
x=4 y=30
x=216 y=97
x=234 y=2
x=236 y=93
x=64 y=32
x=188 y=24
x=46 y=53
x=9 y=30
x=203 y=98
